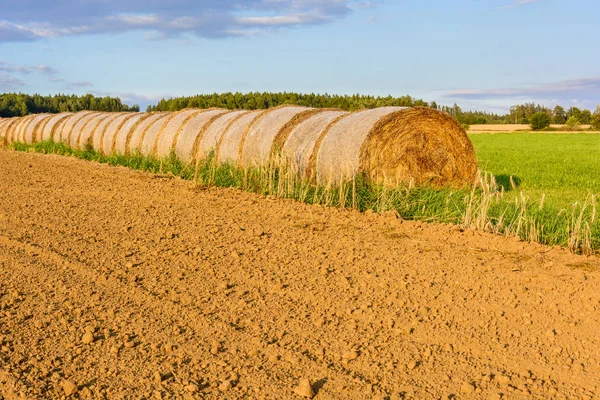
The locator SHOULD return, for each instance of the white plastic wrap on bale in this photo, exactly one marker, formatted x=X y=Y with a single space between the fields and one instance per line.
x=229 y=148
x=339 y=155
x=65 y=133
x=110 y=134
x=126 y=131
x=84 y=138
x=259 y=141
x=19 y=128
x=49 y=129
x=301 y=142
x=186 y=142
x=31 y=132
x=73 y=138
x=99 y=132
x=215 y=131
x=135 y=141
x=166 y=138
x=4 y=125
x=149 y=139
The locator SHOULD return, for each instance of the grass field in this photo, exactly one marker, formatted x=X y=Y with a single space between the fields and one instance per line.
x=541 y=187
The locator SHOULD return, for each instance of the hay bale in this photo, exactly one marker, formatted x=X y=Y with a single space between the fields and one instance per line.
x=214 y=132
x=126 y=132
x=33 y=130
x=109 y=136
x=228 y=149
x=300 y=142
x=63 y=135
x=148 y=143
x=4 y=127
x=257 y=144
x=16 y=133
x=393 y=145
x=188 y=141
x=167 y=137
x=49 y=130
x=85 y=137
x=73 y=137
x=139 y=132
x=98 y=135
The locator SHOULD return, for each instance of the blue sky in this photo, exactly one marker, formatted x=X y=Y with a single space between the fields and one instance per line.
x=481 y=54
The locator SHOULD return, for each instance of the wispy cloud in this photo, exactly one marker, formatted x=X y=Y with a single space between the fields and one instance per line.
x=517 y=3
x=9 y=82
x=29 y=20
x=584 y=91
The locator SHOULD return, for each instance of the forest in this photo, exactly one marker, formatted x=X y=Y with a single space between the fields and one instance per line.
x=19 y=104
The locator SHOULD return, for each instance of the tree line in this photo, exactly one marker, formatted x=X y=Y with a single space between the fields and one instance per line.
x=264 y=100
x=19 y=104
x=523 y=113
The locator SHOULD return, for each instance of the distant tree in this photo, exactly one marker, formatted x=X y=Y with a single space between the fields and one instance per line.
x=597 y=109
x=540 y=120
x=435 y=106
x=560 y=116
x=574 y=112
x=586 y=117
x=596 y=119
x=572 y=122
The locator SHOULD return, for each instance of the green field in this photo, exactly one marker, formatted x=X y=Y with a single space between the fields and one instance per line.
x=564 y=167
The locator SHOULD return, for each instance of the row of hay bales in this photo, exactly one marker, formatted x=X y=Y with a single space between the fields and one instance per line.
x=389 y=144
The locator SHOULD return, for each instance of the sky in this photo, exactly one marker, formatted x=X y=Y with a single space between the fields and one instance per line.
x=480 y=54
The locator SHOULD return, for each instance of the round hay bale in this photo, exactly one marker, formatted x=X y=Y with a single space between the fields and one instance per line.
x=419 y=145
x=126 y=131
x=393 y=145
x=300 y=142
x=228 y=149
x=64 y=134
x=49 y=130
x=165 y=141
x=257 y=144
x=34 y=129
x=139 y=132
x=16 y=133
x=4 y=127
x=98 y=136
x=73 y=138
x=85 y=137
x=148 y=144
x=193 y=132
x=214 y=132
x=109 y=136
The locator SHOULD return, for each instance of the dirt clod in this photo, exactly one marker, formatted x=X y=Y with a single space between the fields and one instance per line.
x=305 y=389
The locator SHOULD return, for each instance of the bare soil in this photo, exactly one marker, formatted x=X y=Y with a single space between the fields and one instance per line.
x=122 y=284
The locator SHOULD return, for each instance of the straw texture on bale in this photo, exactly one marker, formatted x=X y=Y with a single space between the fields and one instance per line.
x=339 y=153
x=149 y=140
x=31 y=131
x=301 y=141
x=66 y=130
x=191 y=134
x=139 y=132
x=109 y=138
x=84 y=138
x=98 y=136
x=170 y=132
x=257 y=144
x=4 y=127
x=72 y=139
x=214 y=133
x=16 y=133
x=419 y=145
x=52 y=124
x=126 y=131
x=228 y=149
